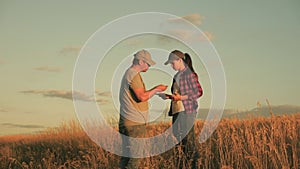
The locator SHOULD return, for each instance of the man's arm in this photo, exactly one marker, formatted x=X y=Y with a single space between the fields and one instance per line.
x=143 y=95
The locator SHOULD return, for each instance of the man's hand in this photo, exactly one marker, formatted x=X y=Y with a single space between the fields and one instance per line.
x=143 y=95
x=161 y=88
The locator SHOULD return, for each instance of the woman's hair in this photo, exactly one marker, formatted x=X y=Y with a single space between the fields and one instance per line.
x=185 y=57
x=188 y=60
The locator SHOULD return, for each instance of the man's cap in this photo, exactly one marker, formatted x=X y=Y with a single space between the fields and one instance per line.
x=145 y=56
x=175 y=55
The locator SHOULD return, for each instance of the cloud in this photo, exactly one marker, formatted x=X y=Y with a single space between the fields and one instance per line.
x=70 y=50
x=1 y=62
x=49 y=69
x=103 y=94
x=208 y=36
x=65 y=94
x=106 y=94
x=187 y=35
x=3 y=110
x=195 y=19
x=181 y=34
x=29 y=126
x=102 y=101
x=29 y=112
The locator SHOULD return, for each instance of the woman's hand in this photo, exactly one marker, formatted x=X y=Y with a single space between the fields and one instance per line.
x=176 y=97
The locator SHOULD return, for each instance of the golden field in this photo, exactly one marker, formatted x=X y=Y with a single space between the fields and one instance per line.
x=272 y=142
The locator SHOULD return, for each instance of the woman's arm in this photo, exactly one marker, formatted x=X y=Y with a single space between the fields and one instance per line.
x=195 y=91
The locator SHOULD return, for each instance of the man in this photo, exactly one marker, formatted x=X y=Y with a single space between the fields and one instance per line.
x=133 y=99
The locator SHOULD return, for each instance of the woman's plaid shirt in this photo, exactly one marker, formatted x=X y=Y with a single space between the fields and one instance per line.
x=190 y=86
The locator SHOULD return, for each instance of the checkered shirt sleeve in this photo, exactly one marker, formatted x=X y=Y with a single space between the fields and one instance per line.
x=190 y=86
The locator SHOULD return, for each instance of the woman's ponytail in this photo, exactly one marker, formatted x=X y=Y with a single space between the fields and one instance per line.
x=188 y=60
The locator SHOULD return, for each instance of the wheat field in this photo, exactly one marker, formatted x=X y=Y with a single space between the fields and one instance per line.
x=264 y=143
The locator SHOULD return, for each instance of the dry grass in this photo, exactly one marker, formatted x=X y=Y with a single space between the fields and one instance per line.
x=256 y=143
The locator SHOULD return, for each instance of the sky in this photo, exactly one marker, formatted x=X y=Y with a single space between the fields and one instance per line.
x=257 y=42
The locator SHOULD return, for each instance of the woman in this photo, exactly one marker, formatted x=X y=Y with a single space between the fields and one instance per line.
x=185 y=89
